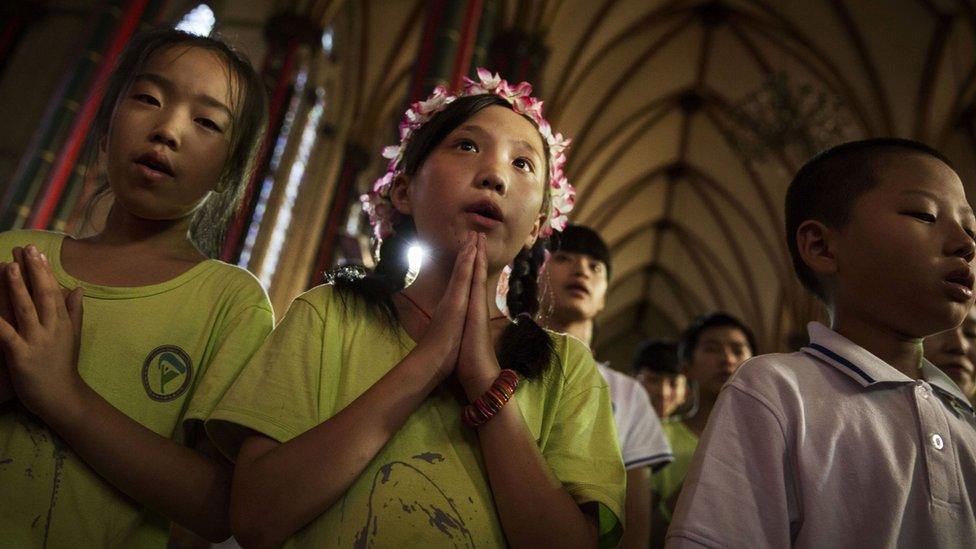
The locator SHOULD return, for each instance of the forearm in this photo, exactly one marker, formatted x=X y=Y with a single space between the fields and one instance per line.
x=280 y=491
x=638 y=530
x=534 y=509
x=180 y=483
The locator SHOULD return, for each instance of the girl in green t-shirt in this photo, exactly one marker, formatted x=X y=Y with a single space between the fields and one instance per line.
x=99 y=413
x=379 y=414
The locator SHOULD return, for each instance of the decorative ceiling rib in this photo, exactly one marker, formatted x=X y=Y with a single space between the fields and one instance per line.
x=689 y=118
x=664 y=161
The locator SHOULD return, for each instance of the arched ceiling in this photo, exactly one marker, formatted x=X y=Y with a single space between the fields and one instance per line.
x=681 y=161
x=688 y=119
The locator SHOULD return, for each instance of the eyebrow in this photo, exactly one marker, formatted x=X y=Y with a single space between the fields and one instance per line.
x=167 y=85
x=932 y=196
x=474 y=128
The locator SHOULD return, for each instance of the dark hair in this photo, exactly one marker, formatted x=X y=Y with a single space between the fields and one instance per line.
x=659 y=355
x=578 y=239
x=209 y=223
x=689 y=339
x=829 y=184
x=524 y=347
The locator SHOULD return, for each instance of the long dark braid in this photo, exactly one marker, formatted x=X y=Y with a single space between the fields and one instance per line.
x=524 y=346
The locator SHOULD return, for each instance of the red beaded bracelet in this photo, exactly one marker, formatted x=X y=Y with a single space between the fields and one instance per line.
x=487 y=405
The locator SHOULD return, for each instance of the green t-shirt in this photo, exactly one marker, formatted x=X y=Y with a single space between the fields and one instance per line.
x=162 y=354
x=428 y=486
x=668 y=480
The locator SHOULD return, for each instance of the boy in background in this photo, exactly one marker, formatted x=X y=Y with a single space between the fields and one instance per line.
x=576 y=279
x=954 y=352
x=855 y=440
x=657 y=368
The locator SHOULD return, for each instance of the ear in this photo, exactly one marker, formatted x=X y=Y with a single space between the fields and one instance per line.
x=536 y=229
x=816 y=244
x=399 y=195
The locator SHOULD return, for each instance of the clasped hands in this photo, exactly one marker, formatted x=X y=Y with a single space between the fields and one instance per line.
x=460 y=326
x=40 y=334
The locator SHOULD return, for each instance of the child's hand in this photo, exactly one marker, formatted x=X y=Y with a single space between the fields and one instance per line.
x=6 y=388
x=477 y=365
x=41 y=347
x=447 y=322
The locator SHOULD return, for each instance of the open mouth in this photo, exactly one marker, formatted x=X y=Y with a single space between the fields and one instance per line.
x=156 y=162
x=576 y=287
x=486 y=210
x=958 y=284
x=963 y=277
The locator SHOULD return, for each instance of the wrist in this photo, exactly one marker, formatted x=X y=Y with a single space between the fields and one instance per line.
x=476 y=385
x=429 y=363
x=483 y=408
x=65 y=407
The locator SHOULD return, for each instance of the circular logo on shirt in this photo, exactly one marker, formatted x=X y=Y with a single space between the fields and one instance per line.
x=166 y=373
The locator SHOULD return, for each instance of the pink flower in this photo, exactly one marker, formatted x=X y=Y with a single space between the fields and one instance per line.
x=391 y=152
x=501 y=291
x=377 y=204
x=521 y=89
x=434 y=103
x=382 y=185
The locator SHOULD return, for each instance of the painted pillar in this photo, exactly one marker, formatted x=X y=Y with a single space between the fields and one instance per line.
x=40 y=179
x=285 y=33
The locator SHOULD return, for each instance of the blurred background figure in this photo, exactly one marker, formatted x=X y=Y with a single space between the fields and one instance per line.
x=575 y=280
x=658 y=369
x=954 y=352
x=710 y=351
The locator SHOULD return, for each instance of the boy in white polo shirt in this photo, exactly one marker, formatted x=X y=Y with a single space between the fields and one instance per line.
x=856 y=440
x=576 y=278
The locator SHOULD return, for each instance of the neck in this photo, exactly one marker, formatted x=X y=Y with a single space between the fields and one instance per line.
x=581 y=329
x=124 y=229
x=901 y=351
x=430 y=285
x=697 y=422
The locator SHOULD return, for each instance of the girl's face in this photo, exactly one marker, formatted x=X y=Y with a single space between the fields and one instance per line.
x=488 y=175
x=170 y=134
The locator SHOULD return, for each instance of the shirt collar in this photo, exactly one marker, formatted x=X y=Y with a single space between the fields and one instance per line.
x=866 y=369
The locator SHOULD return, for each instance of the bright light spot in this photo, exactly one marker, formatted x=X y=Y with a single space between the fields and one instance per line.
x=199 y=21
x=327 y=40
x=415 y=256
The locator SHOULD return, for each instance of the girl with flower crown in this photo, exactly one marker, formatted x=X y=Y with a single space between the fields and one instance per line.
x=384 y=415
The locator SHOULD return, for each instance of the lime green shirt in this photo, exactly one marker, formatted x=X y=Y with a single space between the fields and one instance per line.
x=668 y=480
x=162 y=354
x=428 y=486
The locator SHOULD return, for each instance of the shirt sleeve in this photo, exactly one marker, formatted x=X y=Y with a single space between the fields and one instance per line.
x=582 y=448
x=277 y=393
x=644 y=443
x=739 y=490
x=237 y=341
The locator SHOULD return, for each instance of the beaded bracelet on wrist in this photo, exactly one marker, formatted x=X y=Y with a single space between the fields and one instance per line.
x=487 y=405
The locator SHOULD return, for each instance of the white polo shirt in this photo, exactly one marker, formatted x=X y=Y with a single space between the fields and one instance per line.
x=832 y=447
x=642 y=442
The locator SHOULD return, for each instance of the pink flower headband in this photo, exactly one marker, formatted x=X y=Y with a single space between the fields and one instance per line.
x=377 y=202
